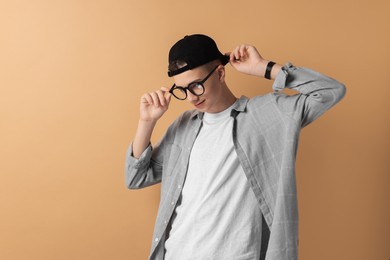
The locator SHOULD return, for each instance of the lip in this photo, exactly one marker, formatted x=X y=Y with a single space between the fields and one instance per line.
x=199 y=104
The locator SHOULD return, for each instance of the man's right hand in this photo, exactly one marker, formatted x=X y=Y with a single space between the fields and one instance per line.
x=153 y=105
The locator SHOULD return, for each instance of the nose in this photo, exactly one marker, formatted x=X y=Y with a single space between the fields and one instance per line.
x=191 y=97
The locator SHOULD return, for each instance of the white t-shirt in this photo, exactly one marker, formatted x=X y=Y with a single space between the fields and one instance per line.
x=218 y=216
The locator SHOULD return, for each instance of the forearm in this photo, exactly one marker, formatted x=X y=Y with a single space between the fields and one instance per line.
x=142 y=137
x=141 y=172
x=318 y=92
x=262 y=66
x=317 y=86
x=140 y=169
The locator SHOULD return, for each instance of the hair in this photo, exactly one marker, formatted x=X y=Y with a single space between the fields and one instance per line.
x=211 y=65
x=176 y=64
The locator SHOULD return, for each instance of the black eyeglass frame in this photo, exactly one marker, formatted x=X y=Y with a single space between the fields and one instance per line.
x=190 y=86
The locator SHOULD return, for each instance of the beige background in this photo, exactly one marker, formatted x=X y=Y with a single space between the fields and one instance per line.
x=72 y=72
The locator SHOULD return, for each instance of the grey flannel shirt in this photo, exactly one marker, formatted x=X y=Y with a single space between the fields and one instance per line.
x=265 y=135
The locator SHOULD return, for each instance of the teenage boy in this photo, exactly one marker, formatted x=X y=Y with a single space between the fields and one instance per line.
x=226 y=168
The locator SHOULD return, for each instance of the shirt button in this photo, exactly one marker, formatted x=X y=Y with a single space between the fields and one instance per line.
x=172 y=203
x=179 y=186
x=165 y=222
x=156 y=239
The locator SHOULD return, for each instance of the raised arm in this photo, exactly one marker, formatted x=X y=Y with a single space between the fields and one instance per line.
x=317 y=94
x=140 y=170
x=152 y=107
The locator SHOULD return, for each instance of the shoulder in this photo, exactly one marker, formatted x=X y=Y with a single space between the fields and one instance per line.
x=183 y=121
x=277 y=98
x=186 y=116
x=274 y=104
x=269 y=99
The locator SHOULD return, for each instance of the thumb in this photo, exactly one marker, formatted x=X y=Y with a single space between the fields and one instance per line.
x=168 y=97
x=165 y=90
x=231 y=57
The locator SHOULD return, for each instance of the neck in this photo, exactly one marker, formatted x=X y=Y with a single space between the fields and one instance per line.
x=227 y=99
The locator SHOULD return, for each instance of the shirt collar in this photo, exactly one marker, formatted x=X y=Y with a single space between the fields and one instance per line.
x=239 y=106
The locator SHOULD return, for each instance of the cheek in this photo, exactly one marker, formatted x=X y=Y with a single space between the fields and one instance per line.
x=212 y=85
x=212 y=89
x=208 y=92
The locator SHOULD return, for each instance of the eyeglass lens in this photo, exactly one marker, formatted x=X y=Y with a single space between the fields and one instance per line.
x=195 y=88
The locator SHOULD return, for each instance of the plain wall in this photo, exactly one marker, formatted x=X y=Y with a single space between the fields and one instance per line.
x=72 y=73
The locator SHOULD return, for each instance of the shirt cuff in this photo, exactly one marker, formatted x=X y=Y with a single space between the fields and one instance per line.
x=281 y=78
x=143 y=160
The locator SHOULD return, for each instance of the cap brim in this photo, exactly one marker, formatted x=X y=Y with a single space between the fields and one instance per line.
x=225 y=59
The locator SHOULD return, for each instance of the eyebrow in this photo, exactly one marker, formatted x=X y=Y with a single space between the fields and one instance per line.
x=196 y=80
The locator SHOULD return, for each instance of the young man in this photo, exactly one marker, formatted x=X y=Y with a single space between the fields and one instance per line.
x=227 y=167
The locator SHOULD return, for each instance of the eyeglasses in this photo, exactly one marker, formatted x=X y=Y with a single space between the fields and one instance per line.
x=196 y=88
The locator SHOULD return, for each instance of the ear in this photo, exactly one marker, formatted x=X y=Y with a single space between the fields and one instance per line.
x=221 y=73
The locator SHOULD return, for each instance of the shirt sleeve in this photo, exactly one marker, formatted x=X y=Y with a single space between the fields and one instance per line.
x=148 y=169
x=317 y=92
x=142 y=172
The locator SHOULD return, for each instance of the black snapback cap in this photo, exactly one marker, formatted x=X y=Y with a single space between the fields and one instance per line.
x=193 y=51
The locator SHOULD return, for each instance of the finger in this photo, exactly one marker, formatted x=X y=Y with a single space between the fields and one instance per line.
x=236 y=55
x=168 y=98
x=230 y=55
x=167 y=94
x=161 y=98
x=243 y=52
x=155 y=99
x=146 y=98
x=164 y=89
